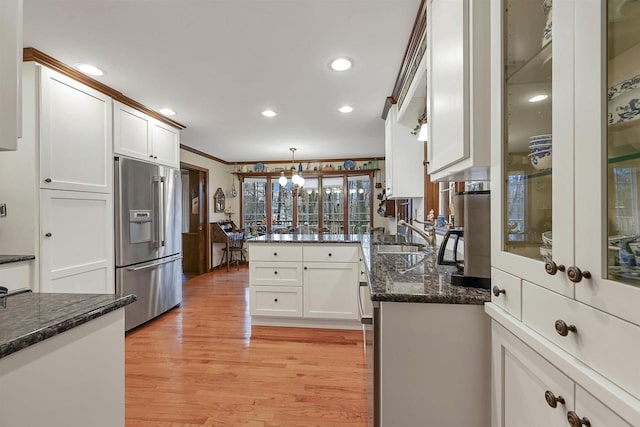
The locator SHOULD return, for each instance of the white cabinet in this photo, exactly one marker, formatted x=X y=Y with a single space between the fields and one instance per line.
x=10 y=76
x=76 y=249
x=17 y=275
x=143 y=137
x=75 y=135
x=404 y=154
x=565 y=217
x=458 y=90
x=312 y=285
x=331 y=290
x=530 y=391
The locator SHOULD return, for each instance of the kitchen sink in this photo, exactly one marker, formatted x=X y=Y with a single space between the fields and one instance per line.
x=399 y=248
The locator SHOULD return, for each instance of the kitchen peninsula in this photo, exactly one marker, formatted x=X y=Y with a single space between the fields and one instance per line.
x=62 y=359
x=427 y=342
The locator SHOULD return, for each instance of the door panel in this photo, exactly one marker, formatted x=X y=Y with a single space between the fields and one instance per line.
x=166 y=144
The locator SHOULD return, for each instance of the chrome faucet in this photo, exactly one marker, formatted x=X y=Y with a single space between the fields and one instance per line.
x=429 y=236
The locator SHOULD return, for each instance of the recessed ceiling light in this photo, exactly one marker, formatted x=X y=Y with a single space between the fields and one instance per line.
x=92 y=70
x=269 y=113
x=345 y=109
x=167 y=111
x=341 y=64
x=538 y=98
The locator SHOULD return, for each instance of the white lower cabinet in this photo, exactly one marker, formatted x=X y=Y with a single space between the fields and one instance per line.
x=76 y=246
x=331 y=290
x=530 y=392
x=310 y=285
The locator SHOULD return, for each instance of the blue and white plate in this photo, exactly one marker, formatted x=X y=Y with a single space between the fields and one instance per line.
x=623 y=87
x=624 y=108
x=349 y=165
x=258 y=167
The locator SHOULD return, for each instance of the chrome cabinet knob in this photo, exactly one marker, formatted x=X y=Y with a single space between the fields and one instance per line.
x=552 y=399
x=552 y=268
x=576 y=421
x=563 y=330
x=576 y=275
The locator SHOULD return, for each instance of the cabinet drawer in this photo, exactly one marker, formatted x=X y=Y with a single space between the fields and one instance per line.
x=276 y=301
x=284 y=252
x=511 y=299
x=275 y=273
x=330 y=253
x=605 y=343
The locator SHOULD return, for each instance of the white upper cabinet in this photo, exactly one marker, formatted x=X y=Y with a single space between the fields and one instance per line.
x=140 y=136
x=458 y=90
x=404 y=154
x=10 y=75
x=75 y=135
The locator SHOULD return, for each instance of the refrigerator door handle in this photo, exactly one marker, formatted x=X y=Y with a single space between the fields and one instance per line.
x=155 y=264
x=160 y=214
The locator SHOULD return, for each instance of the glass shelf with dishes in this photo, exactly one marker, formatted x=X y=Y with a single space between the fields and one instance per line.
x=528 y=126
x=623 y=144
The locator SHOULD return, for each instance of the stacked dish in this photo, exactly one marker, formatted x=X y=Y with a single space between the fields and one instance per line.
x=546 y=249
x=540 y=151
x=624 y=101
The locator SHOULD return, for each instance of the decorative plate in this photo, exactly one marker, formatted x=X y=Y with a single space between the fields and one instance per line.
x=624 y=107
x=259 y=167
x=624 y=86
x=233 y=192
x=349 y=165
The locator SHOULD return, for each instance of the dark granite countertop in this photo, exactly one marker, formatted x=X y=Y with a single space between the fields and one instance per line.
x=414 y=277
x=6 y=259
x=308 y=238
x=29 y=318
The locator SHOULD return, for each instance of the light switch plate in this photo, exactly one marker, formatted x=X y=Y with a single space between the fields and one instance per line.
x=3 y=209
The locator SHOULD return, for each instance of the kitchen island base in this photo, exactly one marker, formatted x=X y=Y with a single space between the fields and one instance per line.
x=73 y=379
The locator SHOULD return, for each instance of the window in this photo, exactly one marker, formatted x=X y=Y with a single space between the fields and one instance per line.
x=308 y=207
x=254 y=206
x=359 y=204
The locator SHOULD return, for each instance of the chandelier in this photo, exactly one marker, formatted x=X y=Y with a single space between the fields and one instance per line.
x=296 y=178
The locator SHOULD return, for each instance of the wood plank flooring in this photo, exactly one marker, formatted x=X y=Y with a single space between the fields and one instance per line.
x=203 y=364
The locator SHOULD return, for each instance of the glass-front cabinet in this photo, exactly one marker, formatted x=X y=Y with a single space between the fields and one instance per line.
x=333 y=204
x=359 y=203
x=566 y=148
x=308 y=206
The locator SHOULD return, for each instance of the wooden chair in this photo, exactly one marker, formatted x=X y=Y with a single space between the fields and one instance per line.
x=234 y=252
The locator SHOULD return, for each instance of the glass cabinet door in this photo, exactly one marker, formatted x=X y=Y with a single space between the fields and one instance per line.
x=254 y=206
x=281 y=206
x=527 y=122
x=623 y=141
x=359 y=204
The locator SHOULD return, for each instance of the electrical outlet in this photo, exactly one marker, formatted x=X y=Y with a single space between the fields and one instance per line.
x=3 y=209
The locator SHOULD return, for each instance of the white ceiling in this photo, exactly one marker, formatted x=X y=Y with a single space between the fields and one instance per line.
x=219 y=63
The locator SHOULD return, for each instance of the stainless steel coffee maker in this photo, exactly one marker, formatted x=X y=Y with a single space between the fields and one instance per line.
x=473 y=218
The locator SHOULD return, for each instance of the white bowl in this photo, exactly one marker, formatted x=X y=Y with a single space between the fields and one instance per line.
x=541 y=147
x=537 y=137
x=541 y=160
x=547 y=239
x=540 y=142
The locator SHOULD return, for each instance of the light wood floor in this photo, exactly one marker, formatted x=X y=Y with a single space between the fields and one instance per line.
x=203 y=365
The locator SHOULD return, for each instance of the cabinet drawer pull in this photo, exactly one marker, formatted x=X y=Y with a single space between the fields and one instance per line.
x=47 y=180
x=563 y=330
x=305 y=268
x=553 y=400
x=497 y=291
x=576 y=421
x=329 y=253
x=552 y=268
x=576 y=275
x=275 y=272
x=48 y=235
x=151 y=156
x=275 y=299
x=275 y=254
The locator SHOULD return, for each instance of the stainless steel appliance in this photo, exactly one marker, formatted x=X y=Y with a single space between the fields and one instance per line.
x=370 y=318
x=475 y=269
x=148 y=238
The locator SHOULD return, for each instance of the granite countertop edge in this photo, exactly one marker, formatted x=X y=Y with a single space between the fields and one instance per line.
x=42 y=334
x=431 y=298
x=8 y=259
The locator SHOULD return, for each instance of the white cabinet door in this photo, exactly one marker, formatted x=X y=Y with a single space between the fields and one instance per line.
x=595 y=411
x=131 y=132
x=76 y=150
x=458 y=90
x=76 y=242
x=521 y=381
x=166 y=144
x=330 y=290
x=404 y=154
x=10 y=74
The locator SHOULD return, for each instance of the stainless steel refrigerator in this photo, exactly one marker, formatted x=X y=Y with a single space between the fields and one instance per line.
x=148 y=238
